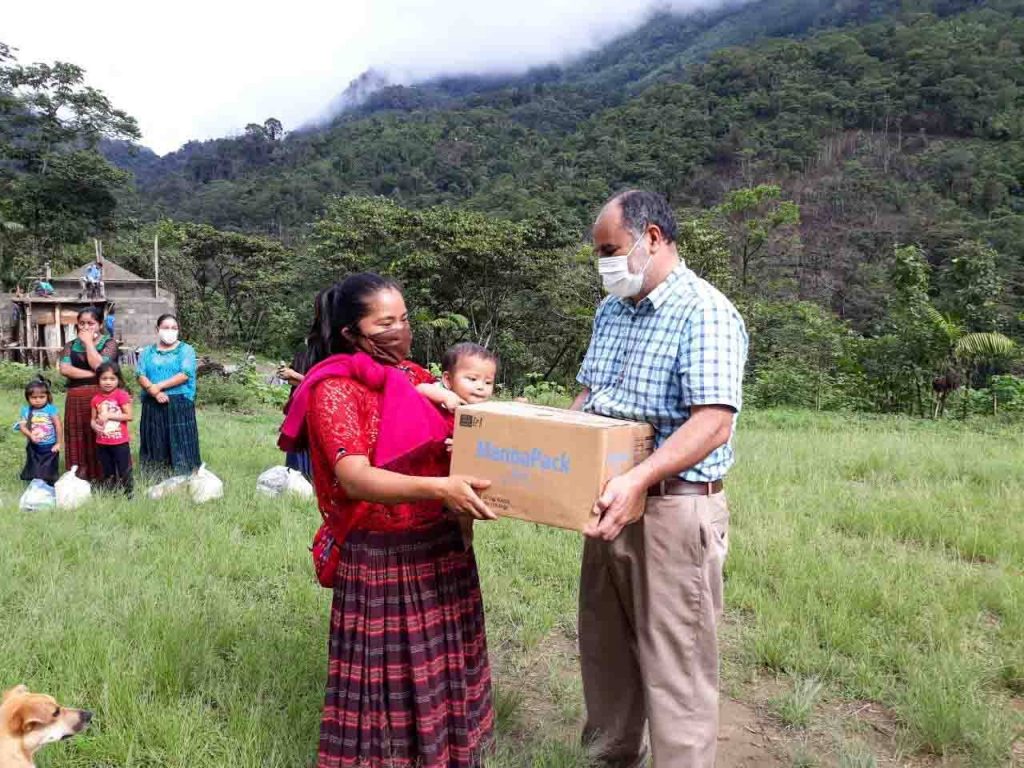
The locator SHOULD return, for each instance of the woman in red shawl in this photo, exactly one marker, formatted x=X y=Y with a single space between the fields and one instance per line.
x=409 y=682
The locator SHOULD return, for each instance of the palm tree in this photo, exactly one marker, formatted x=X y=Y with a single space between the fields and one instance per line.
x=964 y=351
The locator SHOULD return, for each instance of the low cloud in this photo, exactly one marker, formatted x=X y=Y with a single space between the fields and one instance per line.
x=199 y=70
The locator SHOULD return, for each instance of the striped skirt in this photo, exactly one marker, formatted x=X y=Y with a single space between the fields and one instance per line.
x=79 y=438
x=408 y=679
x=169 y=436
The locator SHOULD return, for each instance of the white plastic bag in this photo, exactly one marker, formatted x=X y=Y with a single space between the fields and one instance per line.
x=278 y=480
x=38 y=495
x=299 y=485
x=273 y=482
x=71 y=490
x=169 y=486
x=205 y=486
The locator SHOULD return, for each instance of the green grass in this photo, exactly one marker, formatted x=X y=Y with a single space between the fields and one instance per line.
x=796 y=706
x=881 y=557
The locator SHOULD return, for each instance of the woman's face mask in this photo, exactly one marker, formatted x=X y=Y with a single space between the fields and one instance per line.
x=389 y=347
x=616 y=277
x=168 y=336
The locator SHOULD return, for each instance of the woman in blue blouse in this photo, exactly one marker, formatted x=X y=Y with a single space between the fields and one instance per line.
x=167 y=374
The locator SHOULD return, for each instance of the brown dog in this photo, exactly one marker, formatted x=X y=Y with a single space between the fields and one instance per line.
x=29 y=721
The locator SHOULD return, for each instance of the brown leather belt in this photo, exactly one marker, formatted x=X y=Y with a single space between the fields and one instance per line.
x=676 y=487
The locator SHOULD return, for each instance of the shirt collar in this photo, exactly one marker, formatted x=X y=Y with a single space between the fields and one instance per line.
x=661 y=292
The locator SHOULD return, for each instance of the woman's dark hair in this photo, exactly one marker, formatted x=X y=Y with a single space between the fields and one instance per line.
x=341 y=307
x=166 y=316
x=111 y=368
x=38 y=384
x=315 y=350
x=95 y=312
x=454 y=355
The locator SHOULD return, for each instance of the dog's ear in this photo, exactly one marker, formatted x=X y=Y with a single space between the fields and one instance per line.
x=18 y=689
x=33 y=712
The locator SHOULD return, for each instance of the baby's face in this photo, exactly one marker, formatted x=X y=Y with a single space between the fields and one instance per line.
x=472 y=379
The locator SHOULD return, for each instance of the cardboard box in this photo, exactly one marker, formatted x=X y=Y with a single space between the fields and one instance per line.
x=546 y=465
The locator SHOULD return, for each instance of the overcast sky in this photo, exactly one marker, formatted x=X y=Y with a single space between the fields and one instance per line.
x=205 y=69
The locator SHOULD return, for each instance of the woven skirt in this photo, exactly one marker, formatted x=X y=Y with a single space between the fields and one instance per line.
x=408 y=679
x=41 y=463
x=169 y=436
x=79 y=438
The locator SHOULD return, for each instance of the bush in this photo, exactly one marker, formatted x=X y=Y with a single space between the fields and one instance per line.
x=543 y=392
x=245 y=391
x=1003 y=397
x=14 y=377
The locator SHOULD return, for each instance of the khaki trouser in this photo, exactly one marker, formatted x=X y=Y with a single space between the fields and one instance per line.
x=649 y=608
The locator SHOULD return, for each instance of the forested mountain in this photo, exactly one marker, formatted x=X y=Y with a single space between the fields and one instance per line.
x=432 y=123
x=907 y=128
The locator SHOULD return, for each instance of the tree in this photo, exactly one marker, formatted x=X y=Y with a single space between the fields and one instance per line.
x=55 y=188
x=750 y=217
x=963 y=351
x=273 y=129
x=520 y=288
x=234 y=289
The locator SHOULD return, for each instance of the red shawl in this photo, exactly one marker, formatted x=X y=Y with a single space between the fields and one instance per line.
x=408 y=422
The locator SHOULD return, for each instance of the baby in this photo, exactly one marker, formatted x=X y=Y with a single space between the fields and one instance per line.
x=467 y=378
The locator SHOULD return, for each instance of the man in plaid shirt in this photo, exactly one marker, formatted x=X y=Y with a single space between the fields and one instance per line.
x=667 y=349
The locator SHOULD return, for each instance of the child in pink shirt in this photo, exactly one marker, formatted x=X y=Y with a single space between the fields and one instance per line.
x=111 y=414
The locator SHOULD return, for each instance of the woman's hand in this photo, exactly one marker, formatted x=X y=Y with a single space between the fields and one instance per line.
x=290 y=375
x=157 y=394
x=57 y=448
x=88 y=338
x=459 y=494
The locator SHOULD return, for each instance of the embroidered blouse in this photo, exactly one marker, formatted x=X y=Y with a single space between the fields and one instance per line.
x=344 y=420
x=162 y=364
x=74 y=355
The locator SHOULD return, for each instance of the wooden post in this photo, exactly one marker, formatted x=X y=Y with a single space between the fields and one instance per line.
x=29 y=341
x=156 y=265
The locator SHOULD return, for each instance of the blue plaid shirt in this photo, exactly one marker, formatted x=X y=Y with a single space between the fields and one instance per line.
x=683 y=345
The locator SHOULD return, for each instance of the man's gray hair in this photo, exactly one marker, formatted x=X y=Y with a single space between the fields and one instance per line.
x=641 y=208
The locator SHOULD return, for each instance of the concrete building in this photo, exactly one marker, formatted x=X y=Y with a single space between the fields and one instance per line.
x=39 y=326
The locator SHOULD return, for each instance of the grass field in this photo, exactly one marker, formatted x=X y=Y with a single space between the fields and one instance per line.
x=873 y=560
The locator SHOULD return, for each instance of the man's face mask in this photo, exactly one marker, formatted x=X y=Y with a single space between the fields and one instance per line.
x=389 y=347
x=616 y=277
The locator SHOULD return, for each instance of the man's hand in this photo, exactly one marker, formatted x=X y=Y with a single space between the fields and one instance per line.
x=621 y=503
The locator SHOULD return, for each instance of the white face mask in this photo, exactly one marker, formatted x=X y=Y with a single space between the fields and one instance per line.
x=616 y=277
x=168 y=336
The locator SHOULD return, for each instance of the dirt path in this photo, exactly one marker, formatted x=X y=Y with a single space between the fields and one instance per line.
x=744 y=739
x=548 y=703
